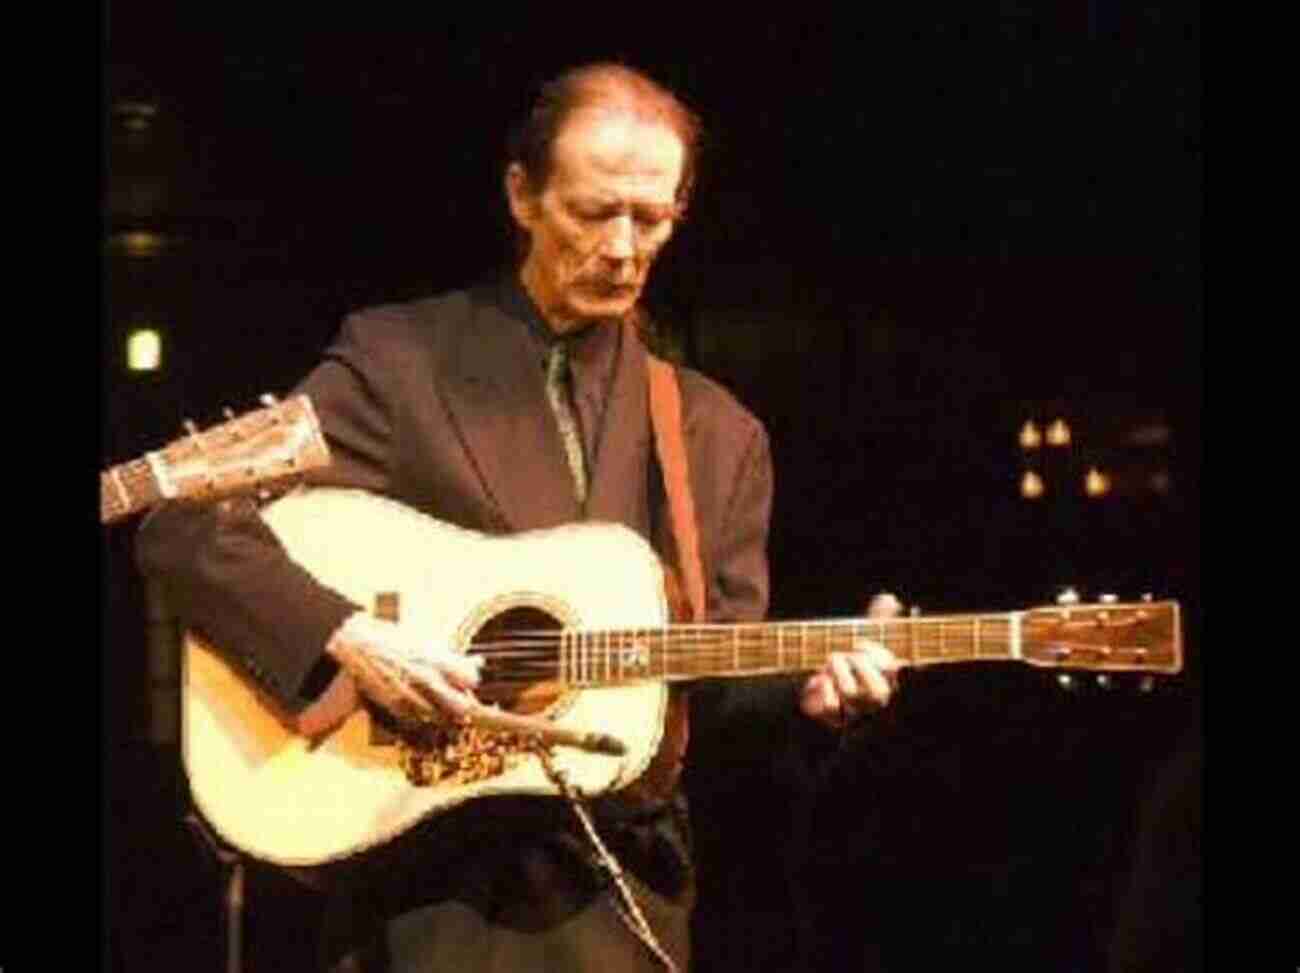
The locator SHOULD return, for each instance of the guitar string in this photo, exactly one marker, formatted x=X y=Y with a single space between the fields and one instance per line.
x=713 y=649
x=725 y=645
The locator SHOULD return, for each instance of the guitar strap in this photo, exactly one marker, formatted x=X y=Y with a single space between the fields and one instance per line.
x=670 y=446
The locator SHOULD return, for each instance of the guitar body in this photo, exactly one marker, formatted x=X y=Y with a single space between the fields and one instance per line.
x=282 y=798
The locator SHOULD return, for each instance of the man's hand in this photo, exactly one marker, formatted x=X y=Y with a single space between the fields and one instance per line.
x=410 y=679
x=852 y=682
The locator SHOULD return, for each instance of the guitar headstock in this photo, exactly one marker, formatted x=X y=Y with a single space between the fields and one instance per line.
x=1143 y=636
x=280 y=441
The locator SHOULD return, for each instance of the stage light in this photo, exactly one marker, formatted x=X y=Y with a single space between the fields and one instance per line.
x=1096 y=483
x=1030 y=437
x=144 y=350
x=1058 y=433
x=1031 y=485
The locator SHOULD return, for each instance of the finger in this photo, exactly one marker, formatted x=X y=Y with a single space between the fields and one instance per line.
x=410 y=697
x=819 y=697
x=880 y=658
x=843 y=672
x=462 y=671
x=874 y=685
x=883 y=659
x=828 y=700
x=452 y=701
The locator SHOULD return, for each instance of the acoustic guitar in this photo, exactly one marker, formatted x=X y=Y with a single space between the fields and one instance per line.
x=573 y=624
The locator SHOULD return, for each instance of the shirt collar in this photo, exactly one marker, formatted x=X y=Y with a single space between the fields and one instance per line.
x=593 y=351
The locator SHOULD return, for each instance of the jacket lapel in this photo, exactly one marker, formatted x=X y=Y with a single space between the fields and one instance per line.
x=618 y=489
x=495 y=393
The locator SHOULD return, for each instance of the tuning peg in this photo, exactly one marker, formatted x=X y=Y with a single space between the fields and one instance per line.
x=1067 y=596
x=1148 y=597
x=190 y=427
x=228 y=412
x=914 y=611
x=1103 y=680
x=267 y=399
x=1109 y=599
x=1065 y=681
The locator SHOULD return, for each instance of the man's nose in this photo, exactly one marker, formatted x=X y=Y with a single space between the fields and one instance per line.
x=620 y=239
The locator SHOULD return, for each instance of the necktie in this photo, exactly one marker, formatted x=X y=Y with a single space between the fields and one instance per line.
x=557 y=373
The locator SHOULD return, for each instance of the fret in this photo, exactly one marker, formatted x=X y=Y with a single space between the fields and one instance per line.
x=754 y=648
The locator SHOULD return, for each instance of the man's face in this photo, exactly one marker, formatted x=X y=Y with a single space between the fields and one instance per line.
x=604 y=214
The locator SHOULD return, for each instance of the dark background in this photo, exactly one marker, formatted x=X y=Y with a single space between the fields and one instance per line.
x=908 y=239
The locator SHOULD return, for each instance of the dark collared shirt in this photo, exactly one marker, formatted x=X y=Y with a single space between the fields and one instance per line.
x=593 y=358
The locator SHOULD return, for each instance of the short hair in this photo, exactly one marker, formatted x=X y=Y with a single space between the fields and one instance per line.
x=607 y=84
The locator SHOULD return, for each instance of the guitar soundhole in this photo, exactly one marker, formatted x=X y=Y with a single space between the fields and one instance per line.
x=521 y=652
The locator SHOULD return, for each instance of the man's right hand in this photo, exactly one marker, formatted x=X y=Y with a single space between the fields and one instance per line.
x=407 y=677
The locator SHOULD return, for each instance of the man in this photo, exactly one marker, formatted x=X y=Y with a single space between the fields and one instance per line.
x=459 y=406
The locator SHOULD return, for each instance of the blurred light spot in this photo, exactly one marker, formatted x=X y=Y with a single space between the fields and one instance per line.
x=144 y=350
x=1031 y=485
x=1096 y=483
x=138 y=243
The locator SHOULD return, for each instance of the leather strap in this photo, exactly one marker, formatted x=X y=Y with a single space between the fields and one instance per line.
x=666 y=417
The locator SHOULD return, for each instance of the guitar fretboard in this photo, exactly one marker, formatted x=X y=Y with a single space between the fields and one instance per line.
x=127 y=488
x=682 y=652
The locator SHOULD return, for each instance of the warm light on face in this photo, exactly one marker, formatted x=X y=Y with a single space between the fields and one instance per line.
x=607 y=209
x=1031 y=485
x=1030 y=437
x=144 y=350
x=1096 y=483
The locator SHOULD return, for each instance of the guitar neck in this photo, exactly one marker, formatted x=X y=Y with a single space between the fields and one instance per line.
x=127 y=488
x=685 y=652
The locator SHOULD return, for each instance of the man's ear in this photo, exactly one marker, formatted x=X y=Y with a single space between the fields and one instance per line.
x=523 y=204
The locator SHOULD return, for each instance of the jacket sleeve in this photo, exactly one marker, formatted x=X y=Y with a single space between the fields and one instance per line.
x=229 y=578
x=749 y=713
